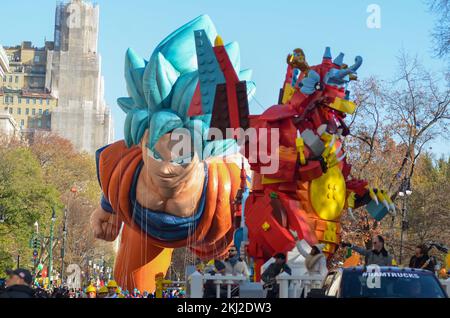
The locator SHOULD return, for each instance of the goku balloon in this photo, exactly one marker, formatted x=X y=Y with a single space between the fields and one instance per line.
x=157 y=198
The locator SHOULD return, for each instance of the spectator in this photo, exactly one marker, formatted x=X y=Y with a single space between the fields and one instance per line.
x=210 y=289
x=18 y=285
x=315 y=260
x=377 y=256
x=136 y=293
x=234 y=265
x=60 y=292
x=199 y=266
x=270 y=274
x=39 y=292
x=102 y=292
x=91 y=291
x=112 y=289
x=421 y=259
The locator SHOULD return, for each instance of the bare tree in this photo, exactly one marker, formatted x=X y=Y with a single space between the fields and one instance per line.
x=417 y=105
x=394 y=122
x=365 y=124
x=441 y=30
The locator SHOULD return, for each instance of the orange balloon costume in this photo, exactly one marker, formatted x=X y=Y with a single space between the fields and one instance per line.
x=140 y=256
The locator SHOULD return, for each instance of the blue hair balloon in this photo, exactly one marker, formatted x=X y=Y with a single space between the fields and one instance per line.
x=161 y=90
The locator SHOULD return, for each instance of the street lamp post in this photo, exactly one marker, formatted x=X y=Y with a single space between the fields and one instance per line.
x=404 y=193
x=50 y=252
x=74 y=190
x=35 y=245
x=63 y=246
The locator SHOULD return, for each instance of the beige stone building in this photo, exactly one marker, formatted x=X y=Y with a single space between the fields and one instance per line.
x=23 y=94
x=8 y=126
x=4 y=62
x=59 y=87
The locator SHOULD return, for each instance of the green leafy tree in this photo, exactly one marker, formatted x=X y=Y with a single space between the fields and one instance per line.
x=25 y=198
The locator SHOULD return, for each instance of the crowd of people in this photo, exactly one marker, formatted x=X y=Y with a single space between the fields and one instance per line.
x=20 y=285
x=378 y=255
x=20 y=281
x=112 y=290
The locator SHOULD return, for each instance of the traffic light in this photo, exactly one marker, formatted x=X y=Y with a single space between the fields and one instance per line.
x=36 y=243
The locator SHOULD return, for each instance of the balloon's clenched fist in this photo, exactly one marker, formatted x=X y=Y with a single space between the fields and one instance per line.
x=106 y=226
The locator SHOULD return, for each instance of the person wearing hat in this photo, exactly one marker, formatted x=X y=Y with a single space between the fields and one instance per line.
x=91 y=291
x=18 y=285
x=112 y=289
x=315 y=260
x=270 y=274
x=102 y=292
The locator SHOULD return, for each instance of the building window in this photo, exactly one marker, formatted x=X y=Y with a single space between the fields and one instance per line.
x=28 y=100
x=33 y=111
x=40 y=111
x=34 y=101
x=48 y=101
x=37 y=59
x=10 y=79
x=22 y=123
x=10 y=110
x=46 y=112
x=19 y=111
x=17 y=79
x=27 y=111
x=40 y=101
x=20 y=100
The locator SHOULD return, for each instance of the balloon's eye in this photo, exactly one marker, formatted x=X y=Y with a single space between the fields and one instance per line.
x=183 y=160
x=155 y=155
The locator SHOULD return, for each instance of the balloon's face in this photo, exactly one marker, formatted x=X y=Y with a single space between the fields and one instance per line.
x=168 y=158
x=169 y=162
